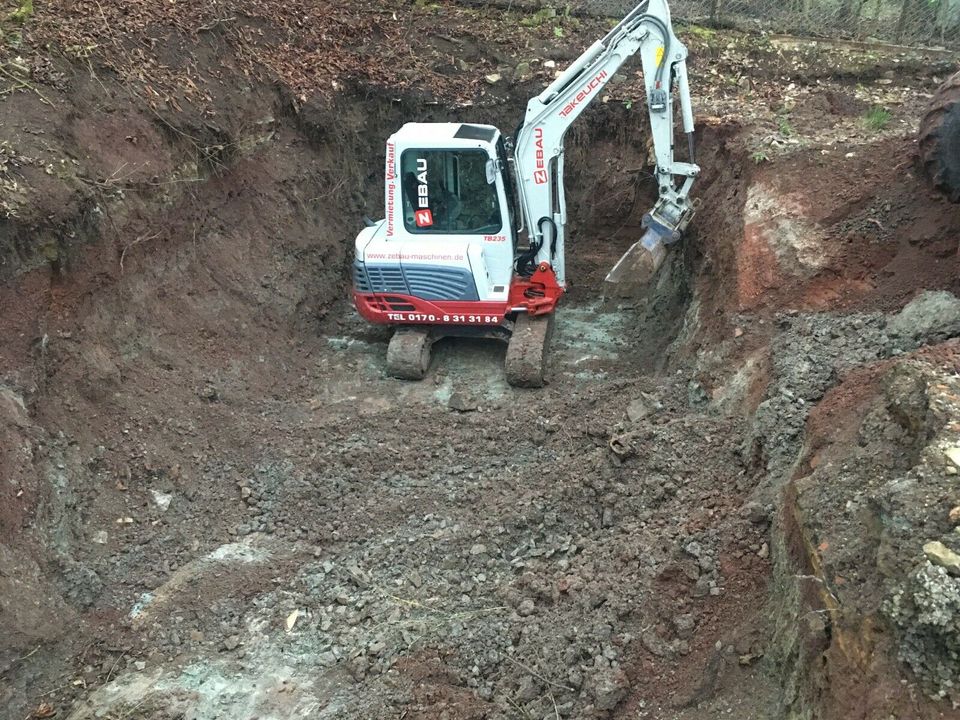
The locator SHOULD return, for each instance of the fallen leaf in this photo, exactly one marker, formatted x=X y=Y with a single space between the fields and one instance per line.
x=292 y=619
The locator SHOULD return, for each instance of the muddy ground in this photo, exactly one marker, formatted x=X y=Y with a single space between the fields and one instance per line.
x=215 y=503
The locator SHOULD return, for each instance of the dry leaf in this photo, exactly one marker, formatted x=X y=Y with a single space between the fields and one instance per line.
x=44 y=710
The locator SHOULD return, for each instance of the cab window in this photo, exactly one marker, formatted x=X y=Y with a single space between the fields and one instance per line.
x=446 y=191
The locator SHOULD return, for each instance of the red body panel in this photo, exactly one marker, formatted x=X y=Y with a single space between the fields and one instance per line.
x=538 y=295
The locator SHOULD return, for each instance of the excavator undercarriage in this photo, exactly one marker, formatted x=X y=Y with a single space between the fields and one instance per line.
x=527 y=339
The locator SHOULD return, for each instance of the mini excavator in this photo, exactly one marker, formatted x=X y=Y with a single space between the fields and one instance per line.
x=473 y=239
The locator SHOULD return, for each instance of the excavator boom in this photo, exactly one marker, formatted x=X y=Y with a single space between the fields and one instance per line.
x=538 y=154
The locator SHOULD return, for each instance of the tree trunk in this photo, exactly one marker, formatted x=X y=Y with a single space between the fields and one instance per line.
x=902 y=21
x=715 y=11
x=848 y=15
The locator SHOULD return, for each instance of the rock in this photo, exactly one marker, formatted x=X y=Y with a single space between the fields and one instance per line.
x=755 y=513
x=702 y=588
x=696 y=394
x=607 y=519
x=161 y=499
x=764 y=552
x=522 y=71
x=953 y=455
x=955 y=515
x=642 y=407
x=932 y=315
x=493 y=78
x=13 y=409
x=528 y=690
x=100 y=537
x=684 y=625
x=461 y=402
x=478 y=549
x=939 y=554
x=526 y=608
x=609 y=688
x=231 y=643
x=357 y=667
x=549 y=64
x=327 y=659
x=654 y=644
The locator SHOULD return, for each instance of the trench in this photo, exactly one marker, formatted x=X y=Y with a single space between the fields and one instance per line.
x=226 y=509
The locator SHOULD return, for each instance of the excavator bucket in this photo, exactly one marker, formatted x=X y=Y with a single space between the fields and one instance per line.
x=637 y=269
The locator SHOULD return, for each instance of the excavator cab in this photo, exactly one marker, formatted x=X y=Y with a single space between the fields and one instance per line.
x=450 y=192
x=444 y=253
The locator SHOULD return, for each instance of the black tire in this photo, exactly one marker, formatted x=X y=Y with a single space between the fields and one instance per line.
x=940 y=139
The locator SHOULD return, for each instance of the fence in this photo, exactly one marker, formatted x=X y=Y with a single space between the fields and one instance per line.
x=907 y=22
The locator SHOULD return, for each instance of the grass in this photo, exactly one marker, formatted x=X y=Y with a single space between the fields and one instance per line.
x=539 y=17
x=23 y=12
x=700 y=31
x=877 y=118
x=759 y=157
x=786 y=129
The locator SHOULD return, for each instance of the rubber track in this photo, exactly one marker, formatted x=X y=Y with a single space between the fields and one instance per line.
x=408 y=354
x=527 y=351
x=939 y=139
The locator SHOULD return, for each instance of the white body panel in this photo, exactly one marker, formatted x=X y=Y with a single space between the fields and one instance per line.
x=488 y=257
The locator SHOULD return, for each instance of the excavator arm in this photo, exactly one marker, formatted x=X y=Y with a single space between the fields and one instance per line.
x=538 y=149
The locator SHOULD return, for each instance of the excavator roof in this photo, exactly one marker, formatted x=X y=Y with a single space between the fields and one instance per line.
x=434 y=134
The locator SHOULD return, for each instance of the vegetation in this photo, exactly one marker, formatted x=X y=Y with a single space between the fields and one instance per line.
x=786 y=129
x=877 y=118
x=23 y=12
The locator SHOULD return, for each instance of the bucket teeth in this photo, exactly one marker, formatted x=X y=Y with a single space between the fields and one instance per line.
x=527 y=351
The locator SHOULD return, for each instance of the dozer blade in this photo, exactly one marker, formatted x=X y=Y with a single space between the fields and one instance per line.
x=637 y=269
x=527 y=351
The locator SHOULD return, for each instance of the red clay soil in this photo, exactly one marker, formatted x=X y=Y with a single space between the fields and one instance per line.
x=885 y=233
x=888 y=234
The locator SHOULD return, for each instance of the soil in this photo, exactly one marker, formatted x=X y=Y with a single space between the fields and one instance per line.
x=216 y=503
